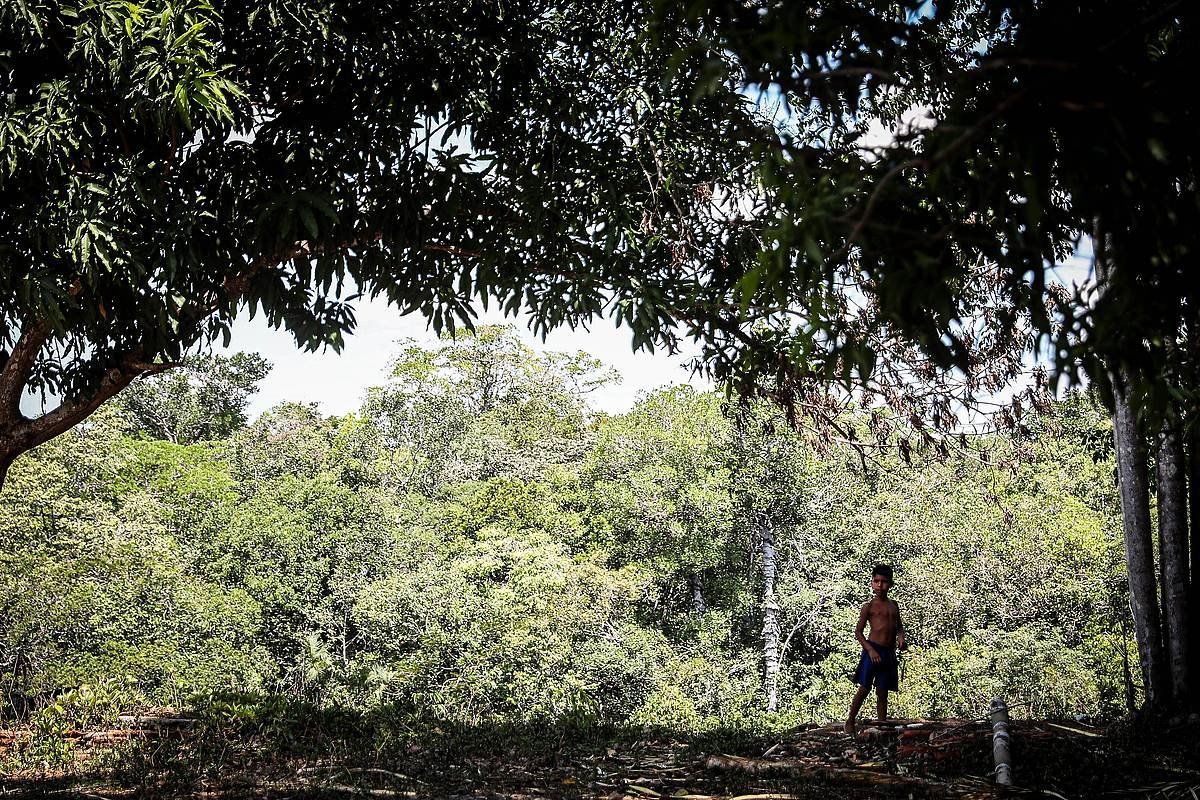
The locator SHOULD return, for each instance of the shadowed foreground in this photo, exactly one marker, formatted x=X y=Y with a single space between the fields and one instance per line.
x=288 y=751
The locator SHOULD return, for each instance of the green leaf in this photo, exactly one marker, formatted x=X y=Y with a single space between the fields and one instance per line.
x=181 y=104
x=310 y=222
x=183 y=39
x=747 y=287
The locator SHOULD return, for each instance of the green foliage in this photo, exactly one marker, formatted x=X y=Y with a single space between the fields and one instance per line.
x=1007 y=144
x=1034 y=667
x=168 y=166
x=481 y=406
x=657 y=488
x=502 y=624
x=204 y=400
x=49 y=744
x=615 y=580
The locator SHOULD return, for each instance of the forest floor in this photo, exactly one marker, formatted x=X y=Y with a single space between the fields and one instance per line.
x=166 y=754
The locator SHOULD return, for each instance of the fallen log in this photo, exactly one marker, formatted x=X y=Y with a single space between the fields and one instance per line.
x=795 y=768
x=109 y=737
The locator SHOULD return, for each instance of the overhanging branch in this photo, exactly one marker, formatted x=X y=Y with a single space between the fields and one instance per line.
x=16 y=370
x=69 y=413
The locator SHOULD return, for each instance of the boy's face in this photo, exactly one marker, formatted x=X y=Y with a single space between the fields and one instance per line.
x=880 y=585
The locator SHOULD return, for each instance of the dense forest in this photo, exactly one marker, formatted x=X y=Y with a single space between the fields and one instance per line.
x=858 y=212
x=478 y=546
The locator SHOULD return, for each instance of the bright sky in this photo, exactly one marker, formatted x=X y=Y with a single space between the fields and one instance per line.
x=337 y=382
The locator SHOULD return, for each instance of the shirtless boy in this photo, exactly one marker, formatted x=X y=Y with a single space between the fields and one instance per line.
x=878 y=664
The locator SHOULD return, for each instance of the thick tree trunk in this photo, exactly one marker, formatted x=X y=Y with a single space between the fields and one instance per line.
x=1173 y=554
x=6 y=461
x=770 y=616
x=1139 y=547
x=1193 y=484
x=20 y=434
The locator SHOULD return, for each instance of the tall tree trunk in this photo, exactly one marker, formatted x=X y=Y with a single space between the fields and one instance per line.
x=697 y=583
x=1135 y=511
x=770 y=616
x=1173 y=554
x=1193 y=483
x=1191 y=427
x=1139 y=547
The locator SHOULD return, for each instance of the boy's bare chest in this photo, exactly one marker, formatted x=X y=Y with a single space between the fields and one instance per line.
x=882 y=614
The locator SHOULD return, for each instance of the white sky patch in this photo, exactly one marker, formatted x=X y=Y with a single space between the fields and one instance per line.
x=878 y=136
x=1077 y=271
x=337 y=382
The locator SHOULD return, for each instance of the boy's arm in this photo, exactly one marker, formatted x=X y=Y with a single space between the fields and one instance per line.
x=858 y=632
x=901 y=639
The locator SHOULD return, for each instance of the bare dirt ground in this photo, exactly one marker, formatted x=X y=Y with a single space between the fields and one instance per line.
x=168 y=755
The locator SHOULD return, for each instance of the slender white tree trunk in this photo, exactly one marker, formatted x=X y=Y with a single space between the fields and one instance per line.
x=770 y=616
x=1139 y=547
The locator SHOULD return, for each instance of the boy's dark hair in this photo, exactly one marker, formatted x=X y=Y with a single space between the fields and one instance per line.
x=885 y=571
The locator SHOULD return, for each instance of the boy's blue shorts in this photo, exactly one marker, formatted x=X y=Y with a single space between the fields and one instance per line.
x=884 y=675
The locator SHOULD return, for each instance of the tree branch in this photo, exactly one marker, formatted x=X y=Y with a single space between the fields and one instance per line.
x=16 y=369
x=71 y=412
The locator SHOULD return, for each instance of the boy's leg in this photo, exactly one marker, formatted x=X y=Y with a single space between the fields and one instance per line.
x=855 y=705
x=881 y=700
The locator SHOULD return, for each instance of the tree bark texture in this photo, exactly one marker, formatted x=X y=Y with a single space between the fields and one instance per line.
x=1193 y=483
x=1132 y=482
x=20 y=434
x=1173 y=554
x=1191 y=426
x=6 y=460
x=770 y=616
x=696 y=580
x=1139 y=547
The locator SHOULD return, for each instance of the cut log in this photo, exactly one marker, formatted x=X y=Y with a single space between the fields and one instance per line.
x=1000 y=749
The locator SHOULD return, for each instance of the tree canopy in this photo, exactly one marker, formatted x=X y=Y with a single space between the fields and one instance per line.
x=205 y=399
x=603 y=570
x=166 y=166
x=1022 y=128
